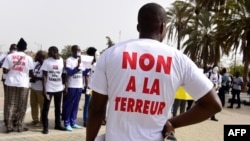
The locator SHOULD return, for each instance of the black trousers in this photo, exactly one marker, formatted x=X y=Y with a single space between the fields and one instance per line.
x=235 y=93
x=57 y=103
x=221 y=94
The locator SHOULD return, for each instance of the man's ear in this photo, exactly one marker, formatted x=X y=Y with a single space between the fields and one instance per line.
x=162 y=27
x=138 y=27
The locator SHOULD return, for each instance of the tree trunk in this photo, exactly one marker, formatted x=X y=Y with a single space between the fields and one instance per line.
x=246 y=60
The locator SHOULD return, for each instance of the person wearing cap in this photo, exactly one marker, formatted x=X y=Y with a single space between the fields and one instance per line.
x=18 y=67
x=2 y=58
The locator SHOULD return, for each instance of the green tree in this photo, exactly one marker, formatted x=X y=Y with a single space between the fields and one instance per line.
x=178 y=17
x=109 y=41
x=233 y=28
x=66 y=51
x=199 y=45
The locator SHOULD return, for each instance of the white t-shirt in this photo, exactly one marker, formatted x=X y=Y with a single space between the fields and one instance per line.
x=87 y=60
x=54 y=68
x=140 y=78
x=2 y=58
x=19 y=64
x=76 y=80
x=237 y=82
x=215 y=78
x=38 y=73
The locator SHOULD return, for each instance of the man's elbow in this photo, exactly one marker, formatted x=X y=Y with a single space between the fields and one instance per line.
x=218 y=107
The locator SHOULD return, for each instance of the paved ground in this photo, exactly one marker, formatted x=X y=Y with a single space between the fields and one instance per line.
x=34 y=133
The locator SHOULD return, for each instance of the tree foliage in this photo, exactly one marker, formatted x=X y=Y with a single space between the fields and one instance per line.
x=66 y=51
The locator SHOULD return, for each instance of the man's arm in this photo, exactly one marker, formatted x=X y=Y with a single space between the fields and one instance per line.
x=203 y=109
x=64 y=82
x=44 y=83
x=96 y=112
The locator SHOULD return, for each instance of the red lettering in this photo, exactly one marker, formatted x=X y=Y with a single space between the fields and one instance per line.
x=155 y=87
x=145 y=89
x=127 y=59
x=131 y=103
x=161 y=64
x=18 y=69
x=162 y=106
x=117 y=101
x=138 y=105
x=146 y=106
x=131 y=84
x=154 y=106
x=146 y=62
x=123 y=104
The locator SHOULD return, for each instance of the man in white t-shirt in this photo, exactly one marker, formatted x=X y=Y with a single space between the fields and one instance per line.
x=75 y=70
x=18 y=67
x=12 y=49
x=215 y=77
x=36 y=91
x=139 y=78
x=54 y=77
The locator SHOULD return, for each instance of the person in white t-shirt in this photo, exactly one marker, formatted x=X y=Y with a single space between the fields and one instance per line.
x=18 y=67
x=215 y=77
x=138 y=79
x=75 y=70
x=12 y=49
x=54 y=77
x=36 y=93
x=90 y=62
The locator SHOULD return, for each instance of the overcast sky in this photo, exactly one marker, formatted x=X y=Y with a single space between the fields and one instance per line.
x=43 y=23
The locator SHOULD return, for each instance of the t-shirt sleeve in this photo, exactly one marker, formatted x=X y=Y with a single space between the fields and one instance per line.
x=44 y=66
x=6 y=63
x=31 y=64
x=98 y=81
x=195 y=81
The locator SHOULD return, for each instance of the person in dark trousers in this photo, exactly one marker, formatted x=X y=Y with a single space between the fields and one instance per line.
x=236 y=89
x=54 y=77
x=223 y=89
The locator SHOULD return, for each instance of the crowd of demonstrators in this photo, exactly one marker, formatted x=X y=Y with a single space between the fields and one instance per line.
x=138 y=80
x=54 y=77
x=237 y=83
x=75 y=74
x=36 y=90
x=215 y=77
x=225 y=85
x=18 y=67
x=12 y=49
x=46 y=78
x=180 y=101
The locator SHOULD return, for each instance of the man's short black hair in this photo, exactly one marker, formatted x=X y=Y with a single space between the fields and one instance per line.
x=53 y=49
x=150 y=17
x=74 y=47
